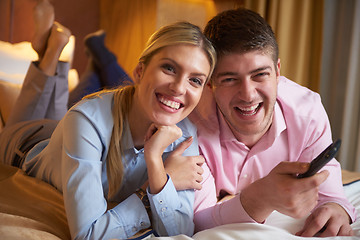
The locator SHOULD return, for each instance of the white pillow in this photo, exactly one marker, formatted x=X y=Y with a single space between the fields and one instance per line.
x=16 y=58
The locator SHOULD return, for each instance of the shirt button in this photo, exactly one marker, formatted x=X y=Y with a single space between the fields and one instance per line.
x=163 y=209
x=161 y=201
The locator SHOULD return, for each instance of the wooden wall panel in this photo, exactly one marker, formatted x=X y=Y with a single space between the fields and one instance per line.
x=81 y=16
x=5 y=23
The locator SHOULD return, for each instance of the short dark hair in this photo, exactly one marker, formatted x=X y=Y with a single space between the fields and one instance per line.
x=241 y=30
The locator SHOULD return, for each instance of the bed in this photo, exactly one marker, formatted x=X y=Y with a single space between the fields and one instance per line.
x=32 y=209
x=279 y=226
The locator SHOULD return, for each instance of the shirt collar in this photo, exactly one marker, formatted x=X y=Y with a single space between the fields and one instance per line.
x=127 y=141
x=279 y=124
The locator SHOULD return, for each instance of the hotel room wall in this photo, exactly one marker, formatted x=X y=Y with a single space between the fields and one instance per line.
x=84 y=16
x=81 y=16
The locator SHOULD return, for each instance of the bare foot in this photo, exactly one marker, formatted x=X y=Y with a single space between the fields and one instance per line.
x=95 y=38
x=95 y=47
x=59 y=37
x=43 y=16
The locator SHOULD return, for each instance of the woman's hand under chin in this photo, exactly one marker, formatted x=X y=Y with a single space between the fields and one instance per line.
x=156 y=141
x=158 y=138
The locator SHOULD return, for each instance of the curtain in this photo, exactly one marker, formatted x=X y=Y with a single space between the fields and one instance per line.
x=198 y=12
x=298 y=29
x=297 y=26
x=128 y=25
x=340 y=81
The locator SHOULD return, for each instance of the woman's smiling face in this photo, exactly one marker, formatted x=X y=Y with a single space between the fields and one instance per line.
x=171 y=84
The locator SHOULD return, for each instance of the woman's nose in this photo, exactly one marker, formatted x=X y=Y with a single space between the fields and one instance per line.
x=178 y=86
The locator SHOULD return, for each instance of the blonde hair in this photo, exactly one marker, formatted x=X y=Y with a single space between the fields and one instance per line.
x=177 y=33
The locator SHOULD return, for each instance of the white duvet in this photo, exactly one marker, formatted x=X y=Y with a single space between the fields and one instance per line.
x=278 y=226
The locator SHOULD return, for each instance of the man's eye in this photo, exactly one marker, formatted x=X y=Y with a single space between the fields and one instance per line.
x=261 y=75
x=225 y=80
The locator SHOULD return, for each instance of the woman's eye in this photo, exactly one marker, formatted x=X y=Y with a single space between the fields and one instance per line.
x=168 y=67
x=197 y=81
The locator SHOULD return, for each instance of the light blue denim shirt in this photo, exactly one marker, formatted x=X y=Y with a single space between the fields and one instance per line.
x=74 y=161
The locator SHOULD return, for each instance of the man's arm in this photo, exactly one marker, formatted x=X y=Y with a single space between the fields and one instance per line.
x=209 y=212
x=334 y=213
x=280 y=190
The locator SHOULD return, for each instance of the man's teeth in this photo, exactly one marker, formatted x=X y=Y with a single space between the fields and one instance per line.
x=172 y=104
x=248 y=111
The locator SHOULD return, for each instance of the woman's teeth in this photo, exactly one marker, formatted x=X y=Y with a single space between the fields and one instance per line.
x=172 y=104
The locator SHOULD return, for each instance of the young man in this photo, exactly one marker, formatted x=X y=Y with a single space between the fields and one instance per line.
x=257 y=130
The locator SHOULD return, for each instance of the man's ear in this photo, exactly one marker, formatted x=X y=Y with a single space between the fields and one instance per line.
x=138 y=72
x=278 y=70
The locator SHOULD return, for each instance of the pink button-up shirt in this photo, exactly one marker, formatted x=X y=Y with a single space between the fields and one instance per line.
x=299 y=132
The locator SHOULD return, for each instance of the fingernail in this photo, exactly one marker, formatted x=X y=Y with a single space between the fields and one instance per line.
x=304 y=165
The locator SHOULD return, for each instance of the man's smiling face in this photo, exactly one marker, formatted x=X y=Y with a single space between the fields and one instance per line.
x=245 y=90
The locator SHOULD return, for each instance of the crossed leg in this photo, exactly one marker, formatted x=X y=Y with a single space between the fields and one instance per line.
x=44 y=93
x=102 y=71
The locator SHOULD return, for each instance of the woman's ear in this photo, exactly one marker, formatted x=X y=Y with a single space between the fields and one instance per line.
x=138 y=72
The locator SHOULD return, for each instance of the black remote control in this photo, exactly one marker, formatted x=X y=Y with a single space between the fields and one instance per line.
x=322 y=159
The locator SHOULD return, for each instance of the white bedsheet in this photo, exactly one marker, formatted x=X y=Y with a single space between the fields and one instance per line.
x=278 y=226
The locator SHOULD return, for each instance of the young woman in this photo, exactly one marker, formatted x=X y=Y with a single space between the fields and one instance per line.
x=111 y=154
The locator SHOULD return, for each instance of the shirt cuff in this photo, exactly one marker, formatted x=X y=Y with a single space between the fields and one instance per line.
x=169 y=210
x=232 y=211
x=132 y=215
